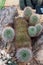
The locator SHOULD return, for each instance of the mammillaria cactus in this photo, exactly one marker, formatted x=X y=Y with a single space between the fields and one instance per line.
x=24 y=54
x=34 y=19
x=32 y=31
x=39 y=28
x=8 y=34
x=27 y=13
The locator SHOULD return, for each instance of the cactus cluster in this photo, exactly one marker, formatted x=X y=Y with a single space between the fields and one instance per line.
x=24 y=3
x=8 y=34
x=30 y=3
x=24 y=54
x=35 y=30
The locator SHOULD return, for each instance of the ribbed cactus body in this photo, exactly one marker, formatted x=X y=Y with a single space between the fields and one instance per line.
x=22 y=38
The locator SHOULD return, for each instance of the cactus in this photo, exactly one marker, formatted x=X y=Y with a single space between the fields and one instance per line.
x=22 y=4
x=36 y=3
x=22 y=38
x=28 y=2
x=39 y=28
x=39 y=2
x=32 y=31
x=27 y=12
x=24 y=54
x=8 y=34
x=34 y=19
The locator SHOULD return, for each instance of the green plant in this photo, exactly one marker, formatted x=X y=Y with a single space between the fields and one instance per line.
x=32 y=31
x=39 y=28
x=8 y=34
x=24 y=54
x=27 y=12
x=2 y=2
x=34 y=19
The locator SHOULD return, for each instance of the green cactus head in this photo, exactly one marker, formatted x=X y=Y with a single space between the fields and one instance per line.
x=32 y=31
x=34 y=19
x=38 y=28
x=24 y=54
x=8 y=34
x=27 y=12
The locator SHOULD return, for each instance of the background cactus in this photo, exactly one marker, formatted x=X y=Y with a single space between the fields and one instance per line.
x=22 y=38
x=34 y=19
x=39 y=2
x=29 y=3
x=32 y=31
x=22 y=4
x=27 y=12
x=24 y=55
x=39 y=28
x=8 y=34
x=34 y=2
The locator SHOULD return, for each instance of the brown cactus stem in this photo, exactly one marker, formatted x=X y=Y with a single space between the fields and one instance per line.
x=21 y=29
